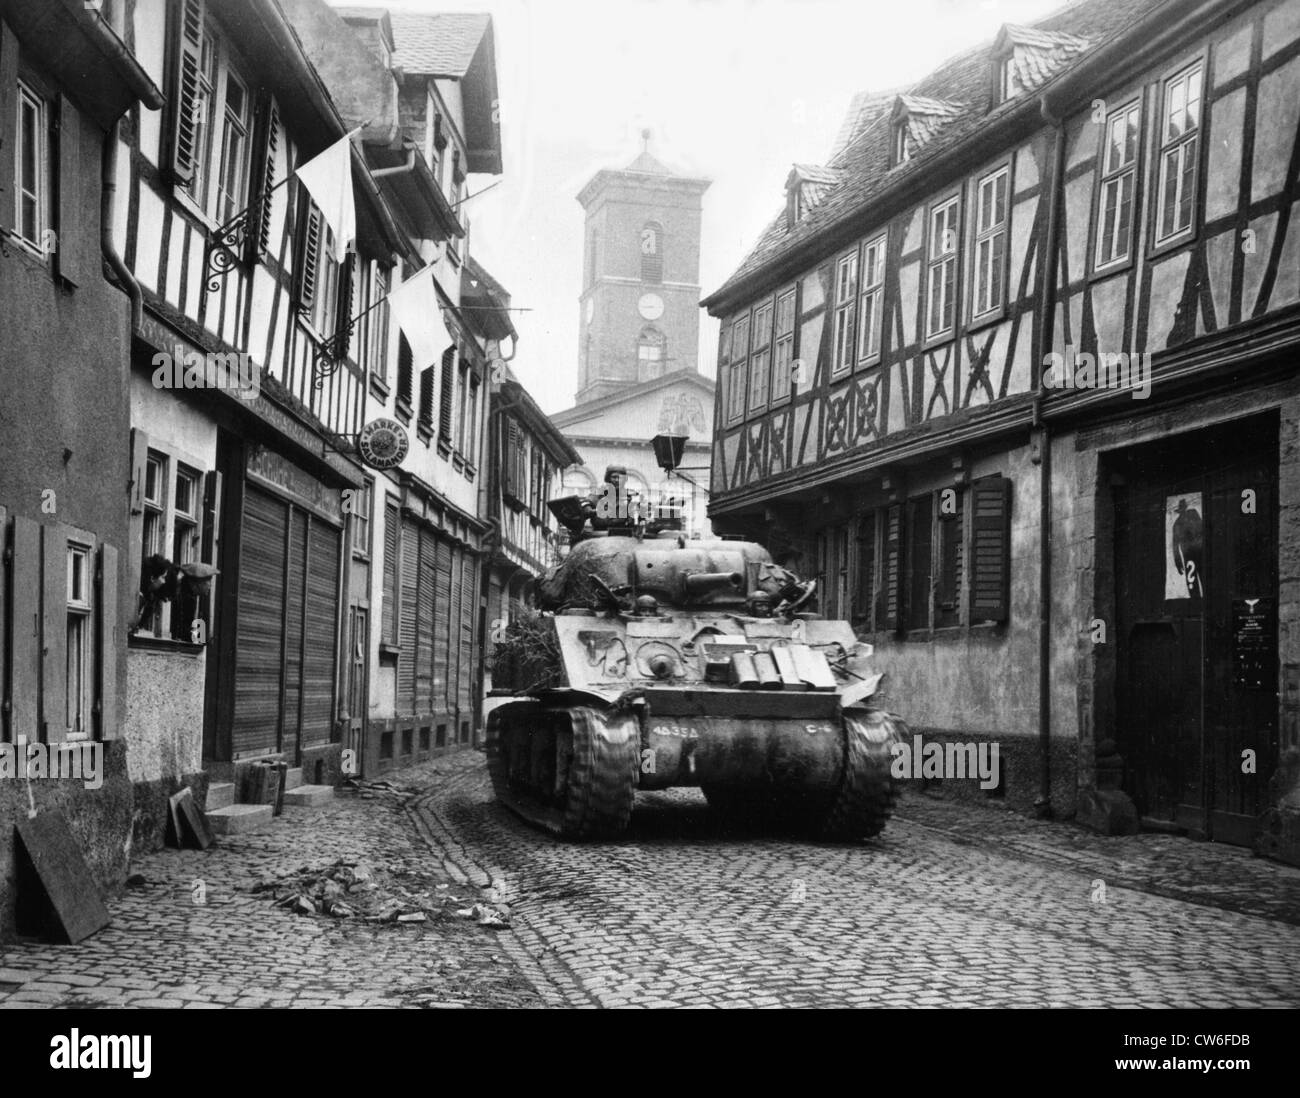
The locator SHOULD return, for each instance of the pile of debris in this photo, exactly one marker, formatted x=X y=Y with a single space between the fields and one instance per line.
x=358 y=890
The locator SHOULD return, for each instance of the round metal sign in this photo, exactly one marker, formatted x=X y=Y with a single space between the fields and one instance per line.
x=382 y=443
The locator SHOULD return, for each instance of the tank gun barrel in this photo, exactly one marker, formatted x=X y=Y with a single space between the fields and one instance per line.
x=702 y=583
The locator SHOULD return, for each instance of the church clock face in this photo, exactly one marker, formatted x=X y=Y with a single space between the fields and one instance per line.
x=651 y=306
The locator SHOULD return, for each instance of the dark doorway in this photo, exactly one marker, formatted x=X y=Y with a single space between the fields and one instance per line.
x=1196 y=607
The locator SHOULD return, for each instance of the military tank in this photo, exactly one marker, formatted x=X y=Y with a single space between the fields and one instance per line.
x=654 y=660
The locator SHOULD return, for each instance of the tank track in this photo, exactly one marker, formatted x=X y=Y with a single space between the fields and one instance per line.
x=590 y=757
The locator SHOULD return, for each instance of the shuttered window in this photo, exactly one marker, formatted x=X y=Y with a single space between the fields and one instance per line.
x=918 y=556
x=864 y=587
x=392 y=543
x=259 y=237
x=405 y=376
x=891 y=588
x=425 y=622
x=410 y=580
x=447 y=394
x=990 y=558
x=188 y=112
x=425 y=413
x=947 y=601
x=446 y=616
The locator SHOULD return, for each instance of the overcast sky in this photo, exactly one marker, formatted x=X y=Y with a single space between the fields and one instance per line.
x=733 y=90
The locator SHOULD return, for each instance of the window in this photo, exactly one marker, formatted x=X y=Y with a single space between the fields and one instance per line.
x=864 y=587
x=215 y=142
x=872 y=298
x=1179 y=131
x=405 y=378
x=652 y=259
x=736 y=371
x=361 y=506
x=947 y=588
x=918 y=557
x=941 y=269
x=318 y=274
x=761 y=358
x=154 y=541
x=783 y=360
x=80 y=651
x=902 y=142
x=424 y=416
x=392 y=545
x=462 y=408
x=471 y=424
x=1009 y=85
x=846 y=289
x=446 y=395
x=1118 y=174
x=649 y=354
x=186 y=549
x=31 y=169
x=377 y=324
x=990 y=241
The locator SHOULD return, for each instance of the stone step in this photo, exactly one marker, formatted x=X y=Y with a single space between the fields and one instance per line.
x=236 y=819
x=220 y=795
x=309 y=796
x=293 y=778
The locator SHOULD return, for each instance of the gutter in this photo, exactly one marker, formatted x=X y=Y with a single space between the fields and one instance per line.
x=109 y=41
x=1043 y=438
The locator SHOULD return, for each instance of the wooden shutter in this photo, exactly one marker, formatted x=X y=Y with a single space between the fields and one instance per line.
x=321 y=621
x=440 y=633
x=309 y=256
x=258 y=239
x=25 y=629
x=54 y=630
x=468 y=613
x=343 y=313
x=388 y=611
x=426 y=396
x=990 y=565
x=135 y=509
x=865 y=579
x=255 y=724
x=455 y=622
x=425 y=622
x=78 y=248
x=407 y=634
x=891 y=588
x=186 y=130
x=106 y=609
x=447 y=393
x=211 y=544
x=510 y=473
x=405 y=370
x=951 y=554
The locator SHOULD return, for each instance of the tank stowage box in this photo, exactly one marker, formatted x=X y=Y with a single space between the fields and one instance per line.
x=657 y=661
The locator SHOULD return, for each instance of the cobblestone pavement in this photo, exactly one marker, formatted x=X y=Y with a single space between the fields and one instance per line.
x=951 y=905
x=238 y=949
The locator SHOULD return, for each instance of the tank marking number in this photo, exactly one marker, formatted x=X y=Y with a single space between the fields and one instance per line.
x=673 y=730
x=813 y=729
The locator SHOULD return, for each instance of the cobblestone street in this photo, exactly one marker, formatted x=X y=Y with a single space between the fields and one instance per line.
x=953 y=905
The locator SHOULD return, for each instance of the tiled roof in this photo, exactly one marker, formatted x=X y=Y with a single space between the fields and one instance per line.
x=1037 y=55
x=864 y=109
x=441 y=44
x=963 y=80
x=648 y=164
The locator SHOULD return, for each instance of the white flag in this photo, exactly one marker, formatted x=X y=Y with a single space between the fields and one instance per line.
x=415 y=305
x=329 y=179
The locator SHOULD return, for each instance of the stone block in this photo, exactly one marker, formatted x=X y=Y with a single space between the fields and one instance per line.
x=236 y=819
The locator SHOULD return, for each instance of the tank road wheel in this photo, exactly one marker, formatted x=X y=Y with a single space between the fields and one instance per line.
x=571 y=771
x=865 y=799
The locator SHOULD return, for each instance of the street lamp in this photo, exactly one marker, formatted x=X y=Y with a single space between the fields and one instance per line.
x=669 y=450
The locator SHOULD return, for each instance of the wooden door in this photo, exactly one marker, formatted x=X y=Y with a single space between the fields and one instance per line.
x=1196 y=596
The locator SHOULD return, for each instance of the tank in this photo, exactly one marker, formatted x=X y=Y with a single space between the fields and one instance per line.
x=653 y=660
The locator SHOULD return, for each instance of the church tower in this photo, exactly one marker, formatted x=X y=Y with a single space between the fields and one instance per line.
x=640 y=301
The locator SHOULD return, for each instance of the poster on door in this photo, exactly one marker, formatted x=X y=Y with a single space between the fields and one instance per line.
x=1184 y=546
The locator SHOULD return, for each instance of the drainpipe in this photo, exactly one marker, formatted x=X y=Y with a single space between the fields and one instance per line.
x=1046 y=321
x=107 y=201
x=400 y=169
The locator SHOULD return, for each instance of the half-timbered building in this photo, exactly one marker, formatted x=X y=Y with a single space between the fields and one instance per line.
x=66 y=80
x=1013 y=374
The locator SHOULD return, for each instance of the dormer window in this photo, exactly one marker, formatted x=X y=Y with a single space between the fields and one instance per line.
x=1009 y=83
x=805 y=187
x=1025 y=57
x=902 y=142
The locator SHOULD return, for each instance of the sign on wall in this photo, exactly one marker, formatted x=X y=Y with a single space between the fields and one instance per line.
x=1184 y=546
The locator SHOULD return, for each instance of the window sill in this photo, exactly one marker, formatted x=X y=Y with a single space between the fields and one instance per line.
x=987 y=320
x=1115 y=267
x=1184 y=239
x=930 y=342
x=402 y=410
x=424 y=432
x=444 y=447
x=190 y=206
x=470 y=471
x=386 y=649
x=379 y=388
x=151 y=643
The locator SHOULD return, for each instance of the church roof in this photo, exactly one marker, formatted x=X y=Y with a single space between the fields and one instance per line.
x=568 y=419
x=648 y=164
